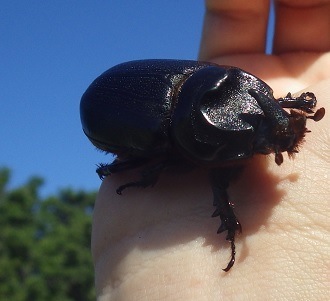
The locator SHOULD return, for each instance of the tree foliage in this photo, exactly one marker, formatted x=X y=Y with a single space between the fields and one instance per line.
x=44 y=243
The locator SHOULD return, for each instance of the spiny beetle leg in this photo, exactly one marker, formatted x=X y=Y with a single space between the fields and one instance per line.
x=224 y=208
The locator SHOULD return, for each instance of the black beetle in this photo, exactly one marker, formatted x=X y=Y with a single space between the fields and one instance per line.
x=171 y=112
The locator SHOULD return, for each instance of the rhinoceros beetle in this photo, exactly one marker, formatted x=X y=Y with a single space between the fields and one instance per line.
x=171 y=112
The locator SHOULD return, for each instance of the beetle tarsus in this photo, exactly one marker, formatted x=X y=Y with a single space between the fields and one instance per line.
x=232 y=259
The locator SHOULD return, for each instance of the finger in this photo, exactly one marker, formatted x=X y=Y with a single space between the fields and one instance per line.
x=234 y=26
x=302 y=25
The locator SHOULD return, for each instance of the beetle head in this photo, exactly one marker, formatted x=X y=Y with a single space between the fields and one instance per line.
x=280 y=131
x=226 y=114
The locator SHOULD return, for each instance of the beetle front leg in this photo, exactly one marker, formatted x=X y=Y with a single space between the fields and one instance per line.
x=305 y=102
x=224 y=208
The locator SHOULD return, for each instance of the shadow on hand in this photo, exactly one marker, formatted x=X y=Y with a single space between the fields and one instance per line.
x=179 y=208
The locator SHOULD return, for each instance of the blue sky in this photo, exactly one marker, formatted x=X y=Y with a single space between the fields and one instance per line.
x=50 y=52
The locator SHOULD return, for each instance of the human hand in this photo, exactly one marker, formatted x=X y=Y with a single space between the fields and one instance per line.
x=161 y=244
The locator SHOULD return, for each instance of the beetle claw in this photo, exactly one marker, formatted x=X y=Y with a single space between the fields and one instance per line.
x=232 y=259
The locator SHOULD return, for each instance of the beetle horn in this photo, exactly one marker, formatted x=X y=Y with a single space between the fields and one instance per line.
x=272 y=110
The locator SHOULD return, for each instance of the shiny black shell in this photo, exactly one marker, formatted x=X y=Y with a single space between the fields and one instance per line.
x=200 y=110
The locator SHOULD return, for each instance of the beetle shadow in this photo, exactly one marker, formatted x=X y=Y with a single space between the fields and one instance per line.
x=178 y=209
x=255 y=193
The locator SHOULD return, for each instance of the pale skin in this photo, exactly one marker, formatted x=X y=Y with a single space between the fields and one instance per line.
x=160 y=243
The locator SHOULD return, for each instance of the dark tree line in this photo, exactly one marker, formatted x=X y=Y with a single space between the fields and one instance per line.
x=44 y=243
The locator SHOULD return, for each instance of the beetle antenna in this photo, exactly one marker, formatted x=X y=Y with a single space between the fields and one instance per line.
x=318 y=115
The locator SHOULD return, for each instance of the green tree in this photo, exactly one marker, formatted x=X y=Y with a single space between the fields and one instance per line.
x=45 y=243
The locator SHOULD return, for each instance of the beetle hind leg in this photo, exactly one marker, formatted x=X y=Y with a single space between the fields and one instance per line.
x=224 y=209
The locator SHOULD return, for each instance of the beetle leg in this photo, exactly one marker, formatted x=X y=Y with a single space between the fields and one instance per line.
x=105 y=170
x=224 y=208
x=149 y=177
x=305 y=102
